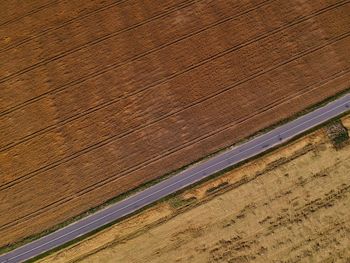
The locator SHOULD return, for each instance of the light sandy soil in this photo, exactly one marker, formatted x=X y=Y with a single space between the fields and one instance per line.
x=292 y=205
x=346 y=121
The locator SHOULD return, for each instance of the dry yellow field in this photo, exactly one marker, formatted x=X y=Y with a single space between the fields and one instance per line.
x=292 y=205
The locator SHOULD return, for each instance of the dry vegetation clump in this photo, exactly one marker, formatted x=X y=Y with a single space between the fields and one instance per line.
x=114 y=94
x=337 y=133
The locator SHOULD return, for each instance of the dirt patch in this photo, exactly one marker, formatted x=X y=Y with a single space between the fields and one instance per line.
x=291 y=206
x=115 y=94
x=346 y=121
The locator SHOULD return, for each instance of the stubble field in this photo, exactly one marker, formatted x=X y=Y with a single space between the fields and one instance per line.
x=97 y=98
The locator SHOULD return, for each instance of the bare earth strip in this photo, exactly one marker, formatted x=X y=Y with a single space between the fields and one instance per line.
x=85 y=120
x=290 y=206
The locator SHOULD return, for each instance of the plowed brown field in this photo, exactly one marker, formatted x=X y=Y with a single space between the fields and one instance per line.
x=98 y=97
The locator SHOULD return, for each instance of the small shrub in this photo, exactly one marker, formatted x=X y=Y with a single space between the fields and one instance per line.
x=337 y=133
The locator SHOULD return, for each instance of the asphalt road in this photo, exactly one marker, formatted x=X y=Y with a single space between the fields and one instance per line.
x=179 y=181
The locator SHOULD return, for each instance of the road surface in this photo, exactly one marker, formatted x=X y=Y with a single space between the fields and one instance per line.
x=179 y=181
